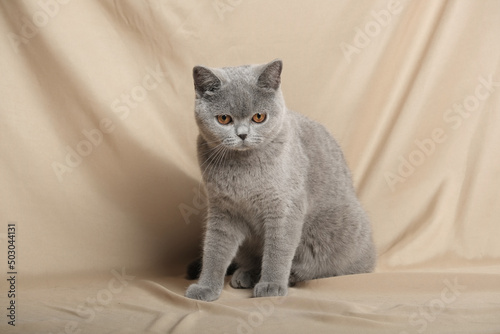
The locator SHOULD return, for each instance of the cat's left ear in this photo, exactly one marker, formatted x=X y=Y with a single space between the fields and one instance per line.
x=270 y=77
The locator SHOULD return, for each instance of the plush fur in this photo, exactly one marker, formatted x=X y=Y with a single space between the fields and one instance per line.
x=281 y=200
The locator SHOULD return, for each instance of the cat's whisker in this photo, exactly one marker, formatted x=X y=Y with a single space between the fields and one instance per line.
x=212 y=168
x=211 y=159
x=220 y=159
x=213 y=155
x=207 y=143
x=209 y=153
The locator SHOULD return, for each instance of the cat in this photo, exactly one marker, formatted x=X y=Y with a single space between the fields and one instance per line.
x=281 y=203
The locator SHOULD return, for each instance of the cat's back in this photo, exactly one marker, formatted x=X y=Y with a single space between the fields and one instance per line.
x=326 y=165
x=316 y=140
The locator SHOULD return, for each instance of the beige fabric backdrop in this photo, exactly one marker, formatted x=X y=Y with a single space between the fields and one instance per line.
x=98 y=168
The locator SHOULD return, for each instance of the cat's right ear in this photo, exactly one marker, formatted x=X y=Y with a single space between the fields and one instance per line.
x=270 y=77
x=205 y=81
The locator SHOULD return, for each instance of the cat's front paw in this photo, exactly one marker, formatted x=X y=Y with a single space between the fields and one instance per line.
x=270 y=289
x=200 y=292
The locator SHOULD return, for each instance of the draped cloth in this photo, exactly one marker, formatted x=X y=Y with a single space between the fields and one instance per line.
x=101 y=202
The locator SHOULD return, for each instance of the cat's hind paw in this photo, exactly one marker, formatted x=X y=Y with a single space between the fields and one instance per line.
x=200 y=292
x=243 y=279
x=270 y=289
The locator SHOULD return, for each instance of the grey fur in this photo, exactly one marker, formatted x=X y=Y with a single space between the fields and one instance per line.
x=281 y=201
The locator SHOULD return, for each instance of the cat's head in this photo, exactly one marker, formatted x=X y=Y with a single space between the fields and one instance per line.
x=239 y=107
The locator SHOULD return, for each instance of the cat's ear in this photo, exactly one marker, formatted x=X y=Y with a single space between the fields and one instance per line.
x=270 y=77
x=205 y=80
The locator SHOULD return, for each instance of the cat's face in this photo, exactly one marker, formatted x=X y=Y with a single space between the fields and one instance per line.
x=240 y=108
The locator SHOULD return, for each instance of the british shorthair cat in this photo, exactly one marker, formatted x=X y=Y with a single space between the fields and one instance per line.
x=281 y=203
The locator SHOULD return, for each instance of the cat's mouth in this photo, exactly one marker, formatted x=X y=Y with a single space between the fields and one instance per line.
x=239 y=145
x=243 y=146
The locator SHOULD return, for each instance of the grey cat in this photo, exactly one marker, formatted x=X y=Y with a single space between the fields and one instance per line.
x=281 y=203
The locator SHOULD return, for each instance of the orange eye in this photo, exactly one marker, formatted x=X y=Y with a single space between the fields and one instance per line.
x=224 y=119
x=259 y=118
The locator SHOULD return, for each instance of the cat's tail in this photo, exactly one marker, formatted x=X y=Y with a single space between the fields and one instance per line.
x=194 y=269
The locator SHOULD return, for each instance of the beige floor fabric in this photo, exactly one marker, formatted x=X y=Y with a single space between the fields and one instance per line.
x=98 y=168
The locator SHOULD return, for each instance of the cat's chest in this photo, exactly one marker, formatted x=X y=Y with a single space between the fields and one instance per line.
x=246 y=183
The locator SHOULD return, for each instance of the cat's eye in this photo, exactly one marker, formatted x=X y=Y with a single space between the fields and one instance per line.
x=224 y=119
x=259 y=118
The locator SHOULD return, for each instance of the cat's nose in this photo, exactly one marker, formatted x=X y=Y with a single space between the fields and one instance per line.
x=242 y=136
